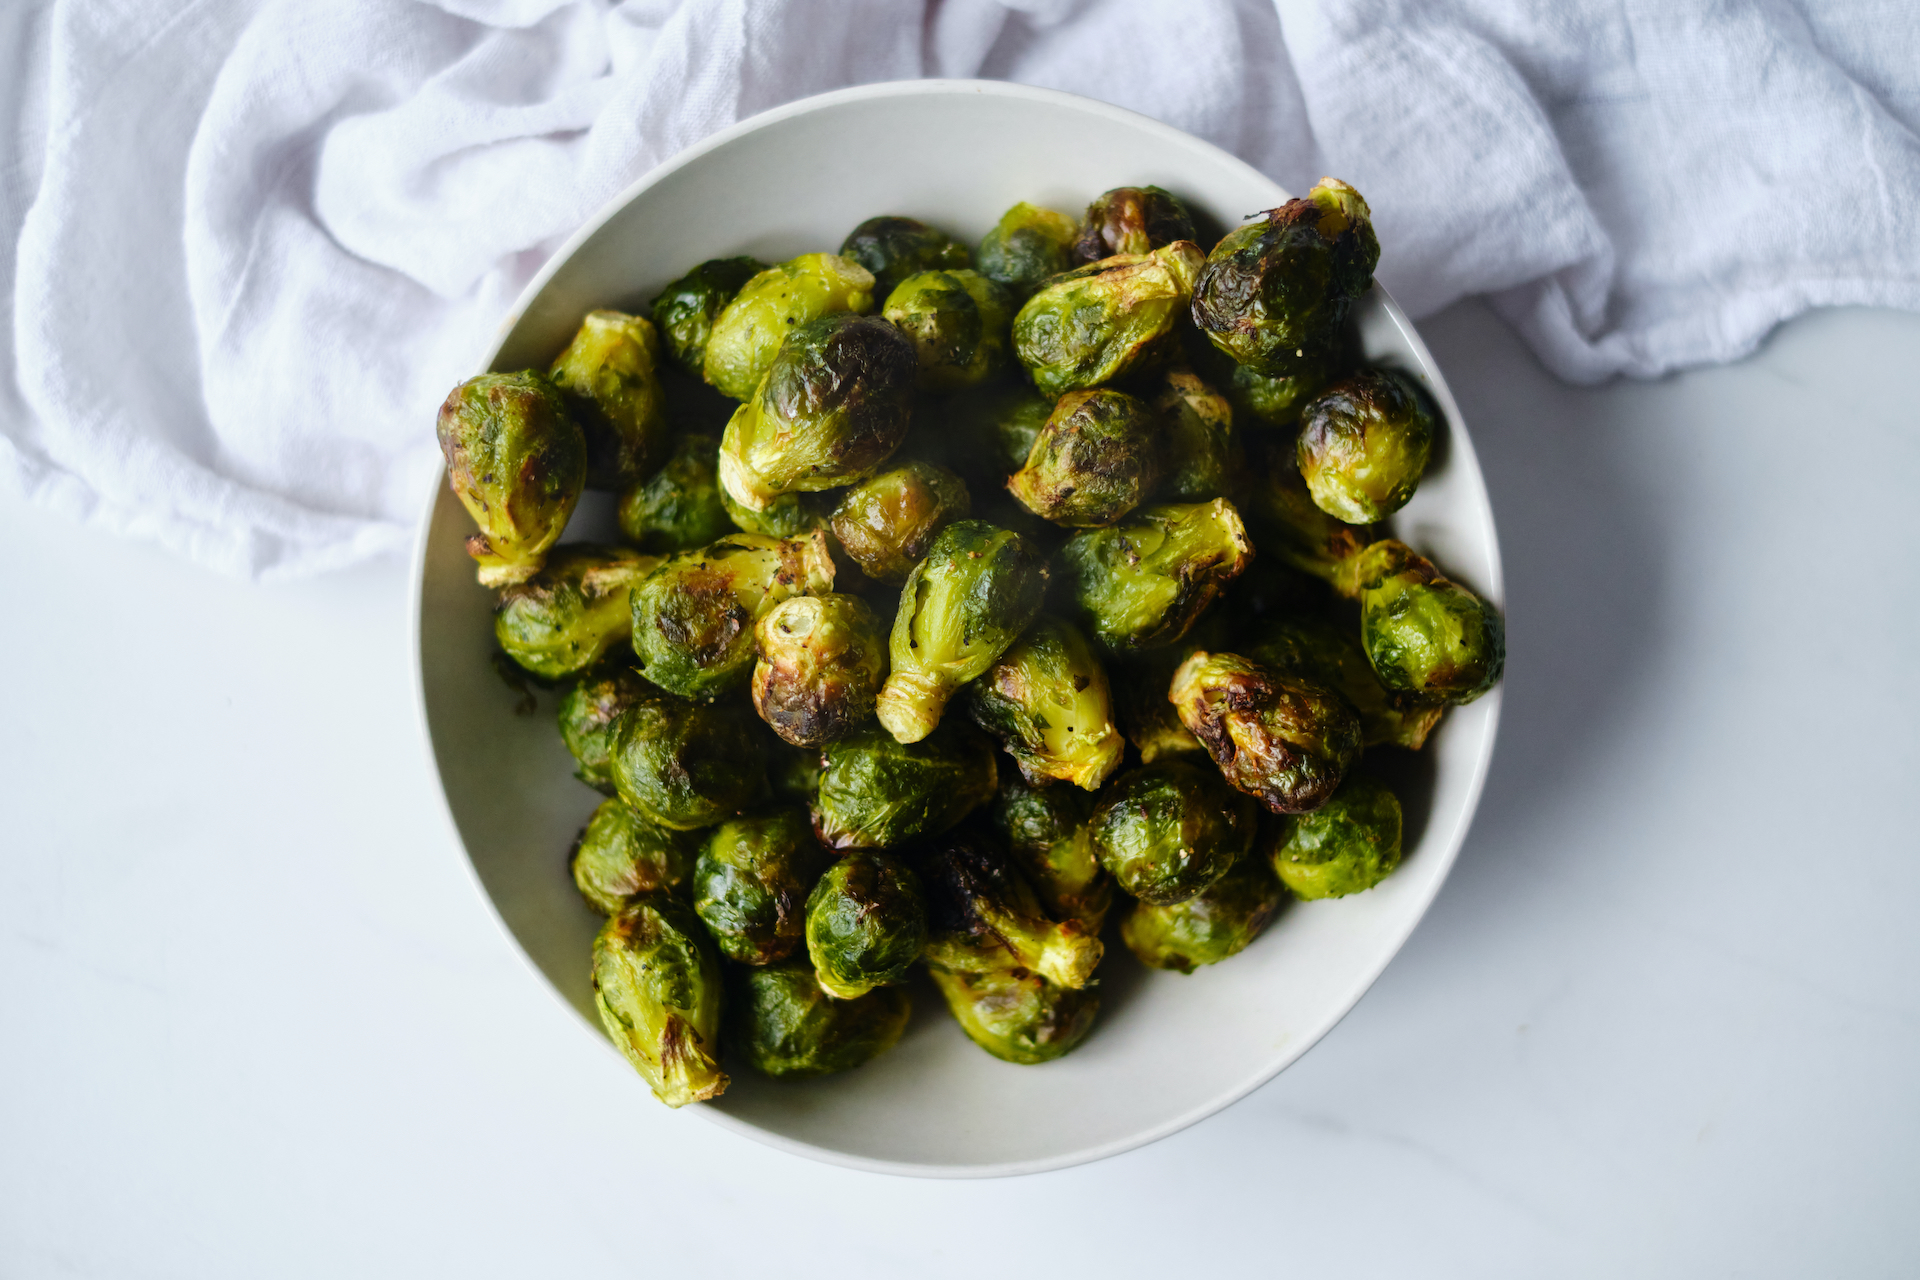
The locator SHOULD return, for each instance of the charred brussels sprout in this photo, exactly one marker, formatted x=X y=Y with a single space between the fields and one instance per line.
x=694 y=616
x=1210 y=926
x=1427 y=638
x=1095 y=459
x=1132 y=220
x=588 y=713
x=1103 y=320
x=785 y=1025
x=686 y=765
x=1350 y=844
x=1141 y=682
x=656 y=983
x=1332 y=655
x=973 y=595
x=1364 y=443
x=1283 y=739
x=982 y=914
x=679 y=507
x=893 y=248
x=874 y=792
x=1027 y=247
x=834 y=406
x=1047 y=831
x=1018 y=1016
x=619 y=853
x=866 y=923
x=751 y=883
x=957 y=322
x=1047 y=701
x=887 y=523
x=566 y=617
x=686 y=309
x=1204 y=458
x=517 y=461
x=749 y=331
x=1142 y=583
x=1167 y=831
x=1275 y=292
x=822 y=659
x=609 y=376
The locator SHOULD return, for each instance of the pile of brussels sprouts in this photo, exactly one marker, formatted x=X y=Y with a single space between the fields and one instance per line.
x=1048 y=462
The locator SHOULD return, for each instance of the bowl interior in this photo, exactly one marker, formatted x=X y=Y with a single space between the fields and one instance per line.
x=1169 y=1049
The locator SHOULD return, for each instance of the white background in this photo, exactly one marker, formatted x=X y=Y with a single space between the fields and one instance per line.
x=1664 y=1020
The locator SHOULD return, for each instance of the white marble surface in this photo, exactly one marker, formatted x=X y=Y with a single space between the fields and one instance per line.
x=1663 y=1021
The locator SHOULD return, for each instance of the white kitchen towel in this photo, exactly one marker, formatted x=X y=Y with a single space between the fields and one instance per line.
x=257 y=240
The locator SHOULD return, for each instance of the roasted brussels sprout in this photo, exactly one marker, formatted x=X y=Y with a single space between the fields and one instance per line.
x=656 y=983
x=1332 y=655
x=785 y=1025
x=588 y=712
x=866 y=923
x=982 y=914
x=973 y=595
x=822 y=659
x=749 y=331
x=1168 y=830
x=893 y=248
x=1047 y=831
x=1018 y=1016
x=694 y=616
x=686 y=309
x=1132 y=220
x=834 y=406
x=1047 y=701
x=679 y=507
x=1275 y=292
x=1026 y=247
x=874 y=792
x=566 y=617
x=608 y=374
x=1259 y=401
x=517 y=461
x=1364 y=443
x=686 y=765
x=957 y=322
x=887 y=523
x=1349 y=844
x=1213 y=924
x=1427 y=637
x=788 y=516
x=1095 y=459
x=1291 y=528
x=751 y=883
x=1204 y=459
x=619 y=853
x=1282 y=739
x=1141 y=681
x=1108 y=318
x=1140 y=584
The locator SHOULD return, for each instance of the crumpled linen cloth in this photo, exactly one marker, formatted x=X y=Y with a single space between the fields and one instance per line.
x=253 y=242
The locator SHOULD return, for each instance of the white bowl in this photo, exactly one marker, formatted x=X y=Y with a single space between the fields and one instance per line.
x=1168 y=1049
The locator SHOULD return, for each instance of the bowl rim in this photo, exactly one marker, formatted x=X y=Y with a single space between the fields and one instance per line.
x=1493 y=587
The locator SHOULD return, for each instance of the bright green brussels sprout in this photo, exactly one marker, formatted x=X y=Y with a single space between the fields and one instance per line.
x=1213 y=924
x=822 y=659
x=1047 y=701
x=1204 y=456
x=1018 y=1016
x=1364 y=443
x=1142 y=583
x=751 y=883
x=1095 y=459
x=982 y=914
x=957 y=322
x=1168 y=830
x=1283 y=739
x=1141 y=681
x=687 y=765
x=893 y=248
x=887 y=523
x=1100 y=321
x=619 y=853
x=749 y=331
x=834 y=405
x=1132 y=220
x=1047 y=830
x=608 y=376
x=785 y=1025
x=1028 y=246
x=693 y=617
x=875 y=792
x=686 y=309
x=1427 y=637
x=656 y=983
x=1260 y=401
x=866 y=923
x=517 y=461
x=1349 y=844
x=788 y=516
x=679 y=507
x=973 y=595
x=588 y=712
x=1274 y=293
x=566 y=617
x=1332 y=655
